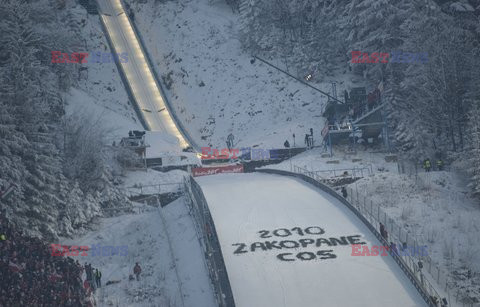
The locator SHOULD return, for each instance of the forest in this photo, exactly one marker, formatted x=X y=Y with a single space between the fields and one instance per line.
x=59 y=165
x=433 y=106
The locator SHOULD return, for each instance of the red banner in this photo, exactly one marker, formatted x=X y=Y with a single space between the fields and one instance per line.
x=325 y=130
x=205 y=171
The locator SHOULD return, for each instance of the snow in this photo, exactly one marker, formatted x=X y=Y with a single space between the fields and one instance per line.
x=146 y=237
x=137 y=72
x=160 y=142
x=152 y=177
x=436 y=208
x=166 y=146
x=197 y=41
x=101 y=82
x=82 y=104
x=100 y=91
x=461 y=7
x=259 y=278
x=215 y=89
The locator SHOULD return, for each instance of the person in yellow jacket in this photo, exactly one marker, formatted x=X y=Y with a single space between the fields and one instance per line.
x=427 y=165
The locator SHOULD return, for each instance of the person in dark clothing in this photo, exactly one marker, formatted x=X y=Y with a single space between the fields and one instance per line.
x=383 y=232
x=344 y=192
x=137 y=270
x=420 y=265
x=444 y=302
x=230 y=139
x=98 y=278
x=286 y=144
x=88 y=271
x=440 y=165
x=393 y=247
x=307 y=140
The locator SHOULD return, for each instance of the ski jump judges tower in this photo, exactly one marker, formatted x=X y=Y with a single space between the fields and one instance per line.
x=360 y=118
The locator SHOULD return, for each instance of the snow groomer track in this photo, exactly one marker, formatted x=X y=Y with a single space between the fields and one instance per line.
x=287 y=243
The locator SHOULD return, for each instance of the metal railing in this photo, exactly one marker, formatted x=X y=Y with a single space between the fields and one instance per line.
x=208 y=239
x=410 y=274
x=375 y=215
x=352 y=172
x=154 y=189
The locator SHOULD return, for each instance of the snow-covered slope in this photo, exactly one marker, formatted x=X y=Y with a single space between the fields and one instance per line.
x=145 y=235
x=250 y=210
x=214 y=86
x=101 y=81
x=436 y=208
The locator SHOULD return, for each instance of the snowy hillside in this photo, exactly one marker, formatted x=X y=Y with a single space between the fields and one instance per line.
x=171 y=277
x=66 y=178
x=434 y=207
x=213 y=84
x=101 y=80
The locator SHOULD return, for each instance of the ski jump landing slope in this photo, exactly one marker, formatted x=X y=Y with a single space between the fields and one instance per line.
x=286 y=243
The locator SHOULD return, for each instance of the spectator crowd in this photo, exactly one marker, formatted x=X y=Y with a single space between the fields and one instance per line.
x=31 y=276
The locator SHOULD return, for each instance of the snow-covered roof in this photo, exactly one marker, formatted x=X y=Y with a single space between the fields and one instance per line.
x=160 y=144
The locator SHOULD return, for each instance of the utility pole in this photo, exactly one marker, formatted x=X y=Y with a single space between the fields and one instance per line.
x=385 y=131
x=330 y=143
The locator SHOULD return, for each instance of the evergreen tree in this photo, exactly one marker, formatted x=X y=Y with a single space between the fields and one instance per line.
x=44 y=201
x=474 y=148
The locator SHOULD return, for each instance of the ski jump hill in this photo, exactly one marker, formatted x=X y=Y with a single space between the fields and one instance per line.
x=284 y=242
x=287 y=243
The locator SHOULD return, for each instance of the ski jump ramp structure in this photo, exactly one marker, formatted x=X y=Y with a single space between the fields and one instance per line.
x=286 y=243
x=138 y=75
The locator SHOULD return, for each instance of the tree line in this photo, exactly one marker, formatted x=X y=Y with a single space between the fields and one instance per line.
x=433 y=107
x=59 y=165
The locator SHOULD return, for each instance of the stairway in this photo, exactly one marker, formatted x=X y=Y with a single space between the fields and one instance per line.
x=370 y=116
